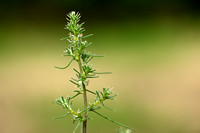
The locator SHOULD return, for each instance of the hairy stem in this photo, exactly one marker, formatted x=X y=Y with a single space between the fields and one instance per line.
x=84 y=127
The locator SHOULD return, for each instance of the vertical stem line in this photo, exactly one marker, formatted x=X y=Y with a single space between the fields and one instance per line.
x=84 y=127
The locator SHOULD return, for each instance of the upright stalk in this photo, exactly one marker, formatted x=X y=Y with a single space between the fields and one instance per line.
x=84 y=127
x=77 y=51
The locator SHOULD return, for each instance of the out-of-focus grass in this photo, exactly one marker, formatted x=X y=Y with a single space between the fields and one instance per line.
x=155 y=65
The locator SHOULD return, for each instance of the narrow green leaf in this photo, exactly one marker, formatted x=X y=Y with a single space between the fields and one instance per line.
x=74 y=79
x=65 y=66
x=89 y=59
x=104 y=90
x=62 y=116
x=67 y=55
x=76 y=127
x=64 y=38
x=102 y=95
x=59 y=103
x=87 y=36
x=91 y=74
x=120 y=124
x=97 y=55
x=91 y=91
x=87 y=45
x=75 y=95
x=81 y=127
x=107 y=107
x=76 y=71
x=99 y=107
x=112 y=96
x=94 y=55
x=70 y=103
x=92 y=77
x=97 y=94
x=78 y=91
x=74 y=82
x=63 y=100
x=103 y=72
x=87 y=109
x=78 y=76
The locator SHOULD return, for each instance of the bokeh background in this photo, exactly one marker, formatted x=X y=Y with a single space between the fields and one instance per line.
x=151 y=46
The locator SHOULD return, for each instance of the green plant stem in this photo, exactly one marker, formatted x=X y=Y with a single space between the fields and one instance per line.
x=85 y=99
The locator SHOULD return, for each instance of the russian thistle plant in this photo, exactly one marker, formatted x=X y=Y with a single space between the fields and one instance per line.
x=77 y=51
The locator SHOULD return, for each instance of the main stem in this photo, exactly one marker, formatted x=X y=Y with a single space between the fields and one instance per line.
x=85 y=99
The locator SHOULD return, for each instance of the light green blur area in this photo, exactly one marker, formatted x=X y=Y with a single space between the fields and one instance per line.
x=155 y=65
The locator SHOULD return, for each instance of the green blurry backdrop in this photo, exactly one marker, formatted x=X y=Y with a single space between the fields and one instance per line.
x=152 y=48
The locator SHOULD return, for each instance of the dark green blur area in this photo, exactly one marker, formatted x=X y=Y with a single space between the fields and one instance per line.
x=152 y=48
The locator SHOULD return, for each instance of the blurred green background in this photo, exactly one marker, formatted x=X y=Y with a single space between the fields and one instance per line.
x=151 y=46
